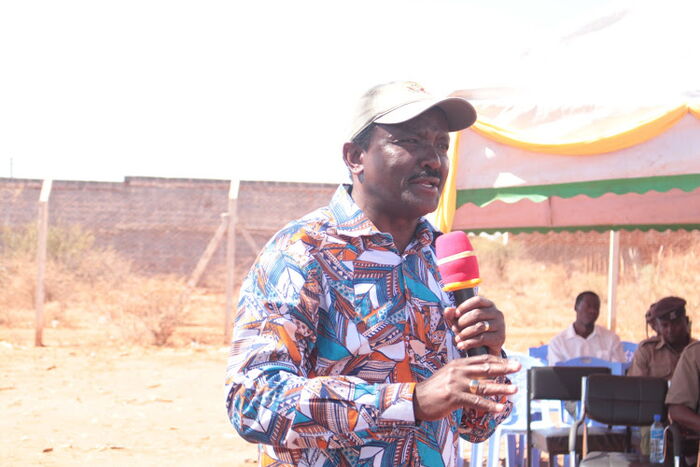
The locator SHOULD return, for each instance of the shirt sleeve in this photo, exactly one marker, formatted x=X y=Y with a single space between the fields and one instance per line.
x=640 y=363
x=477 y=426
x=685 y=384
x=273 y=395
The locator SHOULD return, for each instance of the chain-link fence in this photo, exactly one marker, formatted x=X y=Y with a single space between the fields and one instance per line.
x=144 y=259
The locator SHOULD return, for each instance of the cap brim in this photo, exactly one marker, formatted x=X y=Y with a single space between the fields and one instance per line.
x=459 y=112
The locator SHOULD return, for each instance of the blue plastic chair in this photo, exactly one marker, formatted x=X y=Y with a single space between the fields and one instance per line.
x=629 y=348
x=514 y=427
x=539 y=352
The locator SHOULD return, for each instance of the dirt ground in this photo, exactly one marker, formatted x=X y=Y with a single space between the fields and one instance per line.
x=69 y=404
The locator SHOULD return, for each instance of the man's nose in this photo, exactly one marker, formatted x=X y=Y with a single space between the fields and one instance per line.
x=432 y=157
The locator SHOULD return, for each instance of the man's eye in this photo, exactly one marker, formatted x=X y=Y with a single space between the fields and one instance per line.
x=408 y=141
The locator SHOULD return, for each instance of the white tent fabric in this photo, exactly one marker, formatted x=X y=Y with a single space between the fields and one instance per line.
x=629 y=76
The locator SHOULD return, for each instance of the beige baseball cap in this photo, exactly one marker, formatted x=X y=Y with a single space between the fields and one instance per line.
x=400 y=101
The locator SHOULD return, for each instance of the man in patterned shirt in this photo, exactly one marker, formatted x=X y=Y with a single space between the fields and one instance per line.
x=345 y=349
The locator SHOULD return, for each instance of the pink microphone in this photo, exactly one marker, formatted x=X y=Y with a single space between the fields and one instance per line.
x=459 y=270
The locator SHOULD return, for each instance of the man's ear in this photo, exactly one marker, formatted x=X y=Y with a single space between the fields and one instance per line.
x=353 y=156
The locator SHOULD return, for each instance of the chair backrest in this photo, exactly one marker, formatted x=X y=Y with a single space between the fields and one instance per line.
x=519 y=379
x=554 y=383
x=616 y=368
x=559 y=382
x=629 y=348
x=539 y=352
x=624 y=400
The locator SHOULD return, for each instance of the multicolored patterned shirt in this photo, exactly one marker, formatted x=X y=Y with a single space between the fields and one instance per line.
x=334 y=328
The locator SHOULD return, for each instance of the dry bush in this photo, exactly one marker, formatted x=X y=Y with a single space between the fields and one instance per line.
x=149 y=309
x=77 y=273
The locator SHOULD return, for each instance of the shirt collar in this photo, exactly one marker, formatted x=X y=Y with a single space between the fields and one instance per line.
x=352 y=222
x=572 y=332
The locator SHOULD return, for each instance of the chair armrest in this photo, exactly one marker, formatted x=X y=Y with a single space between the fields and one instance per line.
x=676 y=438
x=573 y=434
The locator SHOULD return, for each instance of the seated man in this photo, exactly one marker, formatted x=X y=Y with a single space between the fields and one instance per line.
x=584 y=338
x=657 y=356
x=683 y=398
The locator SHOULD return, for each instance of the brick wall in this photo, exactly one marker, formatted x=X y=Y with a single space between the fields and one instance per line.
x=164 y=225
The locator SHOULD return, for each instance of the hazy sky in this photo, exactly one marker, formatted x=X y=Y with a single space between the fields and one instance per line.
x=258 y=90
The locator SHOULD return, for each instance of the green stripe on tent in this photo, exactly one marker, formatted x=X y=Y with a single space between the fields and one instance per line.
x=592 y=228
x=594 y=189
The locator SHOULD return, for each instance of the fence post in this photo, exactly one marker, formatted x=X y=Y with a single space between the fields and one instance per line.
x=42 y=234
x=230 y=257
x=209 y=251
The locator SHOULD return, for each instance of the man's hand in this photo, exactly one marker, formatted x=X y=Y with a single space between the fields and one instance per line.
x=477 y=322
x=455 y=386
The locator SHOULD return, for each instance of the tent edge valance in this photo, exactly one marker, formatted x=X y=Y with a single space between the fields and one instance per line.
x=593 y=189
x=588 y=228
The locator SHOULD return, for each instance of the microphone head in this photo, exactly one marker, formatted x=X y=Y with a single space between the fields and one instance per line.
x=457 y=261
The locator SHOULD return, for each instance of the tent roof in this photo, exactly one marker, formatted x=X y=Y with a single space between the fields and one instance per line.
x=595 y=127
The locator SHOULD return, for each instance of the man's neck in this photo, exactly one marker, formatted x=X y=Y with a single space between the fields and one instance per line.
x=401 y=229
x=679 y=346
x=583 y=330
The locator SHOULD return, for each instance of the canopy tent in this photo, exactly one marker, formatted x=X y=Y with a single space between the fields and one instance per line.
x=597 y=131
x=500 y=183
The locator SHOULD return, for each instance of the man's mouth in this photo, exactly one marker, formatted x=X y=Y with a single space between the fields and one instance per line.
x=427 y=181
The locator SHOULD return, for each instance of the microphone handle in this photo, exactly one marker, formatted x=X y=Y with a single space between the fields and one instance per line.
x=462 y=295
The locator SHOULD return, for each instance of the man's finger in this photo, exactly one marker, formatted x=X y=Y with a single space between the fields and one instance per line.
x=486 y=388
x=472 y=317
x=450 y=317
x=490 y=369
x=472 y=401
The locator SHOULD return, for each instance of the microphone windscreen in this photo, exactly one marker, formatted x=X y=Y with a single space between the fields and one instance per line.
x=457 y=261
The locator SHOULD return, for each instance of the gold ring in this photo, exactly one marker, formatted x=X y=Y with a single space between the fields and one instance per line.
x=473 y=386
x=487 y=325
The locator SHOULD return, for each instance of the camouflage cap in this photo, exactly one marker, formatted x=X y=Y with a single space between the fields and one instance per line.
x=668 y=308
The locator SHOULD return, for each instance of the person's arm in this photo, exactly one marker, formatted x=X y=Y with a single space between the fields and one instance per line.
x=640 y=363
x=468 y=322
x=682 y=415
x=273 y=394
x=684 y=393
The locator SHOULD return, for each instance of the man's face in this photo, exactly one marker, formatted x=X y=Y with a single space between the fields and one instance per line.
x=588 y=309
x=674 y=331
x=405 y=166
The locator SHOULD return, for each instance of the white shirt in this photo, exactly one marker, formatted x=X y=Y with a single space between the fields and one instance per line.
x=601 y=343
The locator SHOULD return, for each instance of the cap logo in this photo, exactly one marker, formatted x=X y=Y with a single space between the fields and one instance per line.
x=415 y=87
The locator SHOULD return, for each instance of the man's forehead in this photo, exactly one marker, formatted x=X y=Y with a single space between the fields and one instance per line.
x=432 y=119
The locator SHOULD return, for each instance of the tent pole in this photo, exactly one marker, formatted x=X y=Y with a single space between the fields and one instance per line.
x=613 y=276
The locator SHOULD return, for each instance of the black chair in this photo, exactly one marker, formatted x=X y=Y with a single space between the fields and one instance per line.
x=562 y=383
x=616 y=400
x=684 y=444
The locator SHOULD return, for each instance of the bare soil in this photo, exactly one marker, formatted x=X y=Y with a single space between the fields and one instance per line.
x=76 y=401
